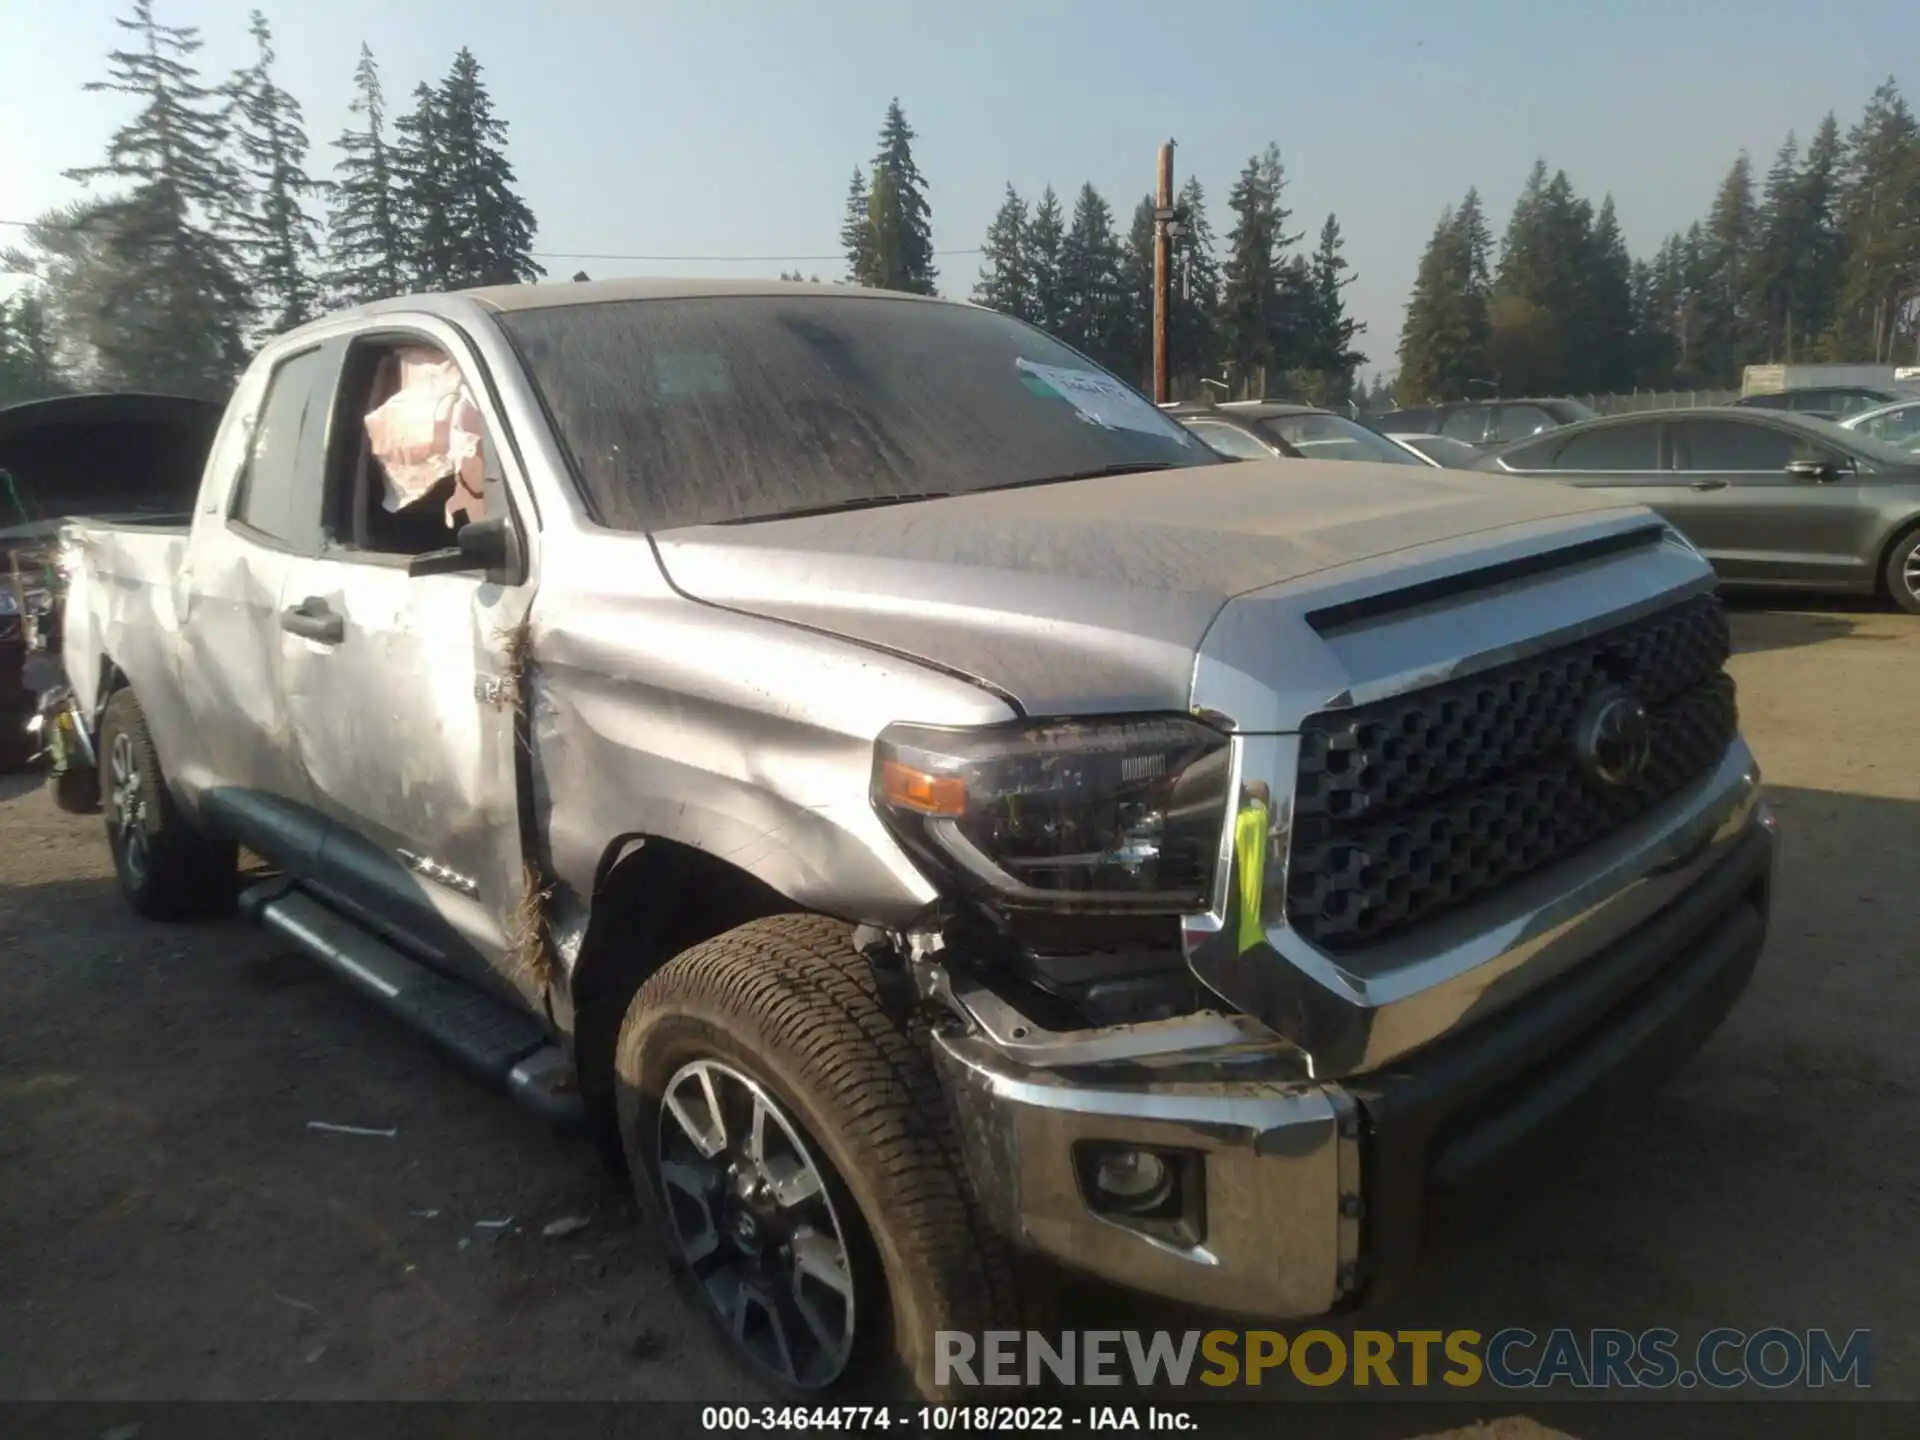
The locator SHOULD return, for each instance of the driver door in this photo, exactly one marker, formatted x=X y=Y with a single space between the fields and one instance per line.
x=402 y=699
x=1757 y=522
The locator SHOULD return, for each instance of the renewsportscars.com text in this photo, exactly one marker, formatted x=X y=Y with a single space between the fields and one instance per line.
x=1516 y=1359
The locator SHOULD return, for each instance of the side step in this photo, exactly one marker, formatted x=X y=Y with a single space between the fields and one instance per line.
x=500 y=1044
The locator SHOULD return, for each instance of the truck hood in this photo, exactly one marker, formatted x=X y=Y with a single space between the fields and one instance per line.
x=1091 y=596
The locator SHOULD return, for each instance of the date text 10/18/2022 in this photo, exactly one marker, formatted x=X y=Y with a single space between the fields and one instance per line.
x=936 y=1419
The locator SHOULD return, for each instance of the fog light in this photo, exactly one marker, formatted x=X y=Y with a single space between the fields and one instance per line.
x=1132 y=1180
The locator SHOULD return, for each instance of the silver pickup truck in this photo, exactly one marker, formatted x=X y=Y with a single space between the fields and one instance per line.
x=924 y=805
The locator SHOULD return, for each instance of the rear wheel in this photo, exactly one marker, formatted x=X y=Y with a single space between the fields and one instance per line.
x=785 y=1130
x=1903 y=573
x=168 y=869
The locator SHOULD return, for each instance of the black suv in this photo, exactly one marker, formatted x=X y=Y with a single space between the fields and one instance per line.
x=1484 y=423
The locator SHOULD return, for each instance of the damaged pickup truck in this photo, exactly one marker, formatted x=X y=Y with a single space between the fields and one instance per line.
x=923 y=803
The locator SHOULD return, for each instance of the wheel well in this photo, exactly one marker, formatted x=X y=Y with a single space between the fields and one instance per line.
x=1907 y=527
x=654 y=899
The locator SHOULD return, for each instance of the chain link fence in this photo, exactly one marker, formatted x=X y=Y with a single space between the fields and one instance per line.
x=1637 y=401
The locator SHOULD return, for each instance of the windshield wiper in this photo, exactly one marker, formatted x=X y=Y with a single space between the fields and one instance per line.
x=834 y=507
x=1125 y=467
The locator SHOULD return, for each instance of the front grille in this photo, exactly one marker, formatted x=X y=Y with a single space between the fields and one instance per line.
x=1418 y=804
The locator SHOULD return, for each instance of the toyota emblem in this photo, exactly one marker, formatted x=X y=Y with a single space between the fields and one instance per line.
x=1615 y=739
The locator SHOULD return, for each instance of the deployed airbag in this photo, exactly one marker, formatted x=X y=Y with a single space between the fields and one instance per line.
x=429 y=429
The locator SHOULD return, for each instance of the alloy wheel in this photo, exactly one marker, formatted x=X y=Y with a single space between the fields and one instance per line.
x=127 y=808
x=749 y=1206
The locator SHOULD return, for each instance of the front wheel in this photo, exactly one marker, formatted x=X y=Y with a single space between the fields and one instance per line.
x=1903 y=573
x=168 y=870
x=785 y=1130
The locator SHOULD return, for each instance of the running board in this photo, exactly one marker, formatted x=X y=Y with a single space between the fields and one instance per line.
x=500 y=1044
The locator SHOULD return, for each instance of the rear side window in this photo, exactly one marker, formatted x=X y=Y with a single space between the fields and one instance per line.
x=1230 y=441
x=1517 y=422
x=1767 y=402
x=1409 y=422
x=1616 y=447
x=279 y=494
x=1469 y=425
x=1729 y=445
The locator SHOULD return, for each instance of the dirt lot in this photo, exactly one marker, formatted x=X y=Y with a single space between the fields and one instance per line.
x=170 y=1227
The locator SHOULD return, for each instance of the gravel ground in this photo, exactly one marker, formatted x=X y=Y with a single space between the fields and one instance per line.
x=170 y=1227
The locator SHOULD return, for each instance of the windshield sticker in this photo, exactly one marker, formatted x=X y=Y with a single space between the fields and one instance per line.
x=1100 y=399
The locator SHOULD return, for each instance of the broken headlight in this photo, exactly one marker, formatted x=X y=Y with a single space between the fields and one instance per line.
x=1095 y=815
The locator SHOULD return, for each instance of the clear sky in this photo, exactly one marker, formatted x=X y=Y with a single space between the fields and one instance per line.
x=729 y=127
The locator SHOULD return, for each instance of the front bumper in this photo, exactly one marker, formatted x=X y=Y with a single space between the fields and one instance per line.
x=1317 y=1194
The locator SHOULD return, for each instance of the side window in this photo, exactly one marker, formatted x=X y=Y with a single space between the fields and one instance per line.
x=1614 y=447
x=1230 y=441
x=1409 y=422
x=1728 y=445
x=277 y=496
x=1517 y=422
x=1777 y=401
x=1537 y=458
x=413 y=461
x=1469 y=424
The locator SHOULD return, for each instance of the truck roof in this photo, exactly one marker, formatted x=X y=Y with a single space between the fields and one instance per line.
x=595 y=292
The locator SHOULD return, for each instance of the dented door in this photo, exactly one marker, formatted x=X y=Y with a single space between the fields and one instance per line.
x=406 y=725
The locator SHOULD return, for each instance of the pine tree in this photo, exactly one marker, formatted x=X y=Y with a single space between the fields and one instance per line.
x=176 y=309
x=366 y=244
x=488 y=226
x=1135 y=361
x=1192 y=329
x=1612 y=363
x=1477 y=236
x=912 y=217
x=1006 y=278
x=885 y=226
x=423 y=195
x=1543 y=317
x=1256 y=319
x=1879 y=207
x=278 y=235
x=1443 y=343
x=1774 y=269
x=1091 y=318
x=1046 y=236
x=1725 y=324
x=856 y=238
x=29 y=366
x=70 y=254
x=1816 y=292
x=1328 y=356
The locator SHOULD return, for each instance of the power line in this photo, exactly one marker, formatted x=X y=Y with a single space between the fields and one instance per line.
x=603 y=255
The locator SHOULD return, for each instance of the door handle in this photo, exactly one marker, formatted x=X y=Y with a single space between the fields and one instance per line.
x=314 y=619
x=1708 y=485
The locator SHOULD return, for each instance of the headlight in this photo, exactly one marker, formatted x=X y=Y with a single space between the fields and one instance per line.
x=1121 y=814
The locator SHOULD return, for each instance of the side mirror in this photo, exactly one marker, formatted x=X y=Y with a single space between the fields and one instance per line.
x=484 y=545
x=1821 y=472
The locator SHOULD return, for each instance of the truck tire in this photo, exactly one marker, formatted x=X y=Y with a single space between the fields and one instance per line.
x=1903 y=573
x=168 y=869
x=861 y=1237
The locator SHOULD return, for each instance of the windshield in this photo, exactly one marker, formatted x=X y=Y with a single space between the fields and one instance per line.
x=717 y=409
x=1896 y=425
x=1334 y=437
x=1874 y=452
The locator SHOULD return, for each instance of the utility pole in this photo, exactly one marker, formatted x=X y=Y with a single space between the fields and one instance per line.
x=1165 y=227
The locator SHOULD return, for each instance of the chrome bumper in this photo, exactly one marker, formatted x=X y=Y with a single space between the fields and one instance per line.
x=1314 y=1192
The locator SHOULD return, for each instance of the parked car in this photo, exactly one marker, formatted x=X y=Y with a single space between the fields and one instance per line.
x=122 y=455
x=1272 y=429
x=1897 y=424
x=1772 y=498
x=1441 y=449
x=1830 y=402
x=921 y=802
x=1485 y=424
